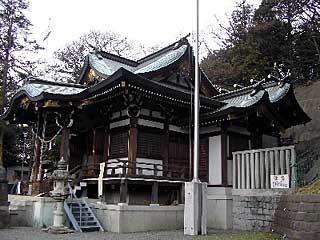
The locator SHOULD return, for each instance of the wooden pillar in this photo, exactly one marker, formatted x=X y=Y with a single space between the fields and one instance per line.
x=106 y=144
x=165 y=148
x=35 y=167
x=224 y=160
x=64 y=146
x=132 y=146
x=155 y=193
x=94 y=143
x=123 y=190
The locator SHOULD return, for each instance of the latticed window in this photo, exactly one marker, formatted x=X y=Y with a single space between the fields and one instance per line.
x=149 y=145
x=119 y=144
x=179 y=147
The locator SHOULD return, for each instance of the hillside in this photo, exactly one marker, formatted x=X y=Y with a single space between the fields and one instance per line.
x=307 y=138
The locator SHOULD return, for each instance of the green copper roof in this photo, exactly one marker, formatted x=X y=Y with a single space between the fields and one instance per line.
x=108 y=66
x=36 y=89
x=163 y=61
x=242 y=101
x=277 y=92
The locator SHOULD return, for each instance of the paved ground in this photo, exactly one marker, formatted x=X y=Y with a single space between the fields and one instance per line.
x=27 y=233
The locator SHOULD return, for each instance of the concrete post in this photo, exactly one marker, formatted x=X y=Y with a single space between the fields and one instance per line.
x=282 y=152
x=243 y=170
x=276 y=162
x=267 y=161
x=239 y=169
x=262 y=166
x=257 y=170
x=248 y=171
x=195 y=212
x=253 y=185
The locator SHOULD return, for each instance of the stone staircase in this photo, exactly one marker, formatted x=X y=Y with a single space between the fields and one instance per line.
x=80 y=214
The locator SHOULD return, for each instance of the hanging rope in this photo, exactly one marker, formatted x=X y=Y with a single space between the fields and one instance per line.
x=59 y=131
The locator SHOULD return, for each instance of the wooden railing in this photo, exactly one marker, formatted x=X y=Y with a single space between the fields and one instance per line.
x=252 y=168
x=122 y=168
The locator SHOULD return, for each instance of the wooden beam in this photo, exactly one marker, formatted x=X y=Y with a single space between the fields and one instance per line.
x=123 y=190
x=155 y=193
x=165 y=148
x=132 y=146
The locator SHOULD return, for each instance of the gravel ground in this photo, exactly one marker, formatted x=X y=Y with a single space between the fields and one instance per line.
x=28 y=233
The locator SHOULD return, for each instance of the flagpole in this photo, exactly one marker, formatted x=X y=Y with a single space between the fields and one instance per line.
x=196 y=102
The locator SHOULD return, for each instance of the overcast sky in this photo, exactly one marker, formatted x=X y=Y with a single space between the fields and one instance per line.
x=150 y=22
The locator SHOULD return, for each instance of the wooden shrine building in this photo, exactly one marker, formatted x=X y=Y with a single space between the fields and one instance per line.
x=125 y=127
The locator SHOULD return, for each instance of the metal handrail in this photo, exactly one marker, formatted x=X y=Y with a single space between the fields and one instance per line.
x=73 y=196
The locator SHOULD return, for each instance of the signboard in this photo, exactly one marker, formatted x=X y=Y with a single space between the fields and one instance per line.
x=83 y=184
x=279 y=181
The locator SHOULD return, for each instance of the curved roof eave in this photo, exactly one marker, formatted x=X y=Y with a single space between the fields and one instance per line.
x=251 y=102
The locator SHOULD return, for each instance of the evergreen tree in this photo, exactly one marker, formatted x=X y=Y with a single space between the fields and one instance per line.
x=14 y=45
x=281 y=31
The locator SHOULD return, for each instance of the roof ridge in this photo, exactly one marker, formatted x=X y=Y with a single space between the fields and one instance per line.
x=244 y=90
x=117 y=58
x=163 y=50
x=54 y=83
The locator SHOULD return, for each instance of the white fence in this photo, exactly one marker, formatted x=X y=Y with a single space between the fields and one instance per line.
x=252 y=168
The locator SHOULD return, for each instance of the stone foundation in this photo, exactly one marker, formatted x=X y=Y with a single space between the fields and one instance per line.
x=255 y=209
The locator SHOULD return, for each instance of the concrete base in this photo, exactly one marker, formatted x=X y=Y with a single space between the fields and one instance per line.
x=4 y=206
x=137 y=218
x=195 y=211
x=219 y=208
x=32 y=211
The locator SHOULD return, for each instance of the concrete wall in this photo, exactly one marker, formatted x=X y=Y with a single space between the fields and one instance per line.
x=130 y=218
x=31 y=211
x=255 y=209
x=298 y=217
x=4 y=210
x=219 y=206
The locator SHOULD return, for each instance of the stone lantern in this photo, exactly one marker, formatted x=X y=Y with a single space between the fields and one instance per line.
x=60 y=177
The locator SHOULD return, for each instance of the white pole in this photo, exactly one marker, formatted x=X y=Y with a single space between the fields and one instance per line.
x=196 y=102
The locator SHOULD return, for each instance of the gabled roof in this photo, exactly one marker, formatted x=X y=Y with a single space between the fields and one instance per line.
x=105 y=64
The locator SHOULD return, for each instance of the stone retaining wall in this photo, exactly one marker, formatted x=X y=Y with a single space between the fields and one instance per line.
x=298 y=217
x=253 y=209
x=254 y=212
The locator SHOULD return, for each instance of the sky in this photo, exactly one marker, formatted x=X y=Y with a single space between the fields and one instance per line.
x=150 y=22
